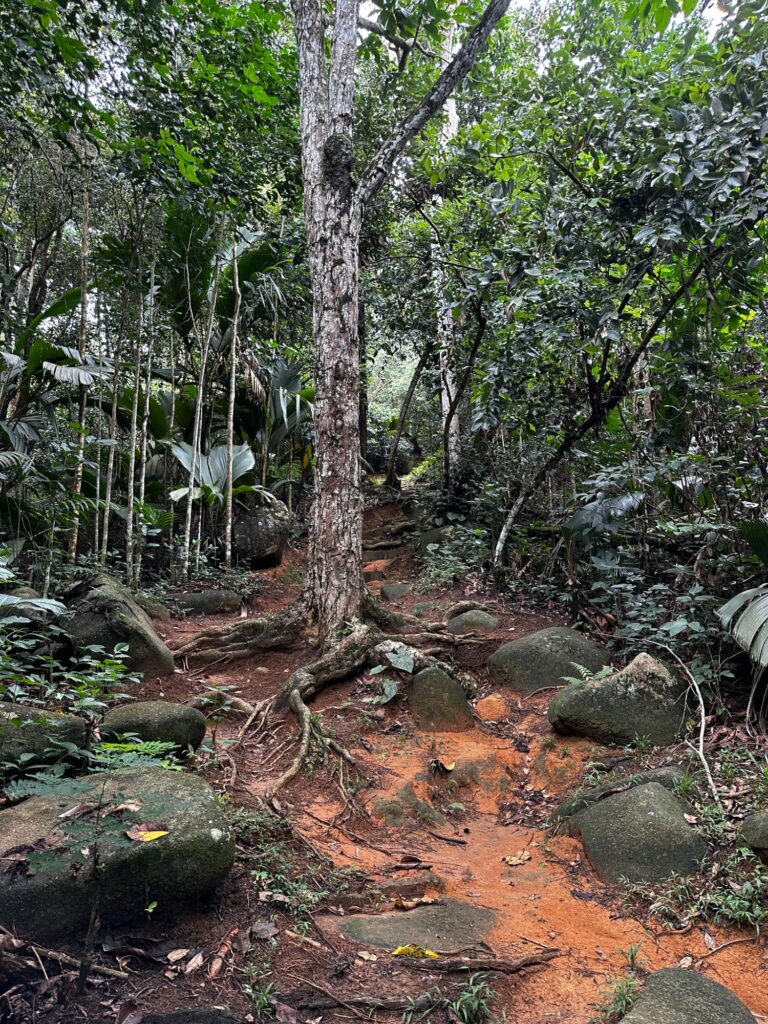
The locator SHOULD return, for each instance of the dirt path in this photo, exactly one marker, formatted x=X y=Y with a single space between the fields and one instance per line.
x=492 y=805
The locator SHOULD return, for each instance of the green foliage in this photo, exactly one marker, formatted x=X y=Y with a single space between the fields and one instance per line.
x=451 y=560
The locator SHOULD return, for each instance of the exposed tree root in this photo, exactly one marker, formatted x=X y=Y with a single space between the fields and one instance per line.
x=300 y=999
x=347 y=651
x=363 y=644
x=264 y=633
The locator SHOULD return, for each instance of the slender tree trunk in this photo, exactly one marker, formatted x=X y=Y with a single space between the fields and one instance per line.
x=111 y=455
x=391 y=478
x=77 y=484
x=132 y=440
x=363 y=340
x=140 y=532
x=197 y=428
x=231 y=411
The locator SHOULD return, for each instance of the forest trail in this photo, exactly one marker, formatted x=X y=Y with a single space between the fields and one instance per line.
x=470 y=808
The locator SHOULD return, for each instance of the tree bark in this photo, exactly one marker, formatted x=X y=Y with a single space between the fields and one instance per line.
x=333 y=211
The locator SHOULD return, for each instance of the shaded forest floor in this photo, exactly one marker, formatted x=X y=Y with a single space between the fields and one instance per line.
x=424 y=831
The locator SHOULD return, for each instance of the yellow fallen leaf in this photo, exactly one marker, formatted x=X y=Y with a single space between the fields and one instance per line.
x=143 y=834
x=414 y=951
x=519 y=858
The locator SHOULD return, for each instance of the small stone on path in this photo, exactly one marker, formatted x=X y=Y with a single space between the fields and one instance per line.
x=493 y=708
x=473 y=621
x=438 y=702
x=449 y=925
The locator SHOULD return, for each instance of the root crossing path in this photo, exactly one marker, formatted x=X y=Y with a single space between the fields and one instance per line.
x=441 y=838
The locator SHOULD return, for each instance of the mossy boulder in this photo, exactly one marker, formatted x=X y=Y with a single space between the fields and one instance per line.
x=545 y=658
x=206 y=602
x=395 y=592
x=260 y=534
x=640 y=835
x=754 y=832
x=105 y=615
x=51 y=888
x=438 y=702
x=26 y=730
x=668 y=776
x=645 y=699
x=474 y=621
x=156 y=720
x=153 y=606
x=675 y=996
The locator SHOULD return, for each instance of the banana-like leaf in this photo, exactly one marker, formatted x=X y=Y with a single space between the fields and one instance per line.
x=211 y=469
x=745 y=616
x=83 y=374
x=64 y=304
x=43 y=604
x=10 y=459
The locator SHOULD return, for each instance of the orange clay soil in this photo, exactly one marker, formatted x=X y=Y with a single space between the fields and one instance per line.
x=506 y=778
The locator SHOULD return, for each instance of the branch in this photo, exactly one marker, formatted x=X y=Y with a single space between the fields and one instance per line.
x=380 y=167
x=397 y=41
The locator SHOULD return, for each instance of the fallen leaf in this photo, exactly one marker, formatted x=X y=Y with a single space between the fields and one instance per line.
x=144 y=833
x=365 y=955
x=519 y=858
x=402 y=904
x=264 y=930
x=686 y=962
x=128 y=1012
x=709 y=942
x=134 y=806
x=273 y=897
x=194 y=964
x=691 y=819
x=412 y=950
x=177 y=954
x=286 y=1014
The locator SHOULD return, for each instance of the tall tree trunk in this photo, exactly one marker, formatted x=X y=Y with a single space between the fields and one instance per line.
x=140 y=519
x=77 y=485
x=132 y=440
x=231 y=411
x=333 y=210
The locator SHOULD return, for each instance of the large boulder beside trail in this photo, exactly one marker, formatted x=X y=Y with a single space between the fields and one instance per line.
x=26 y=730
x=640 y=835
x=156 y=720
x=260 y=533
x=644 y=700
x=545 y=658
x=675 y=996
x=668 y=776
x=438 y=702
x=48 y=887
x=105 y=615
x=754 y=832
